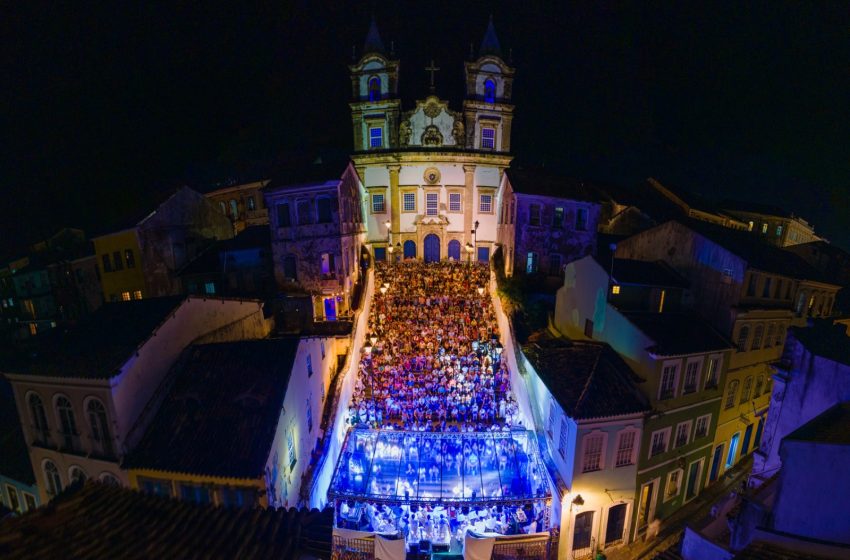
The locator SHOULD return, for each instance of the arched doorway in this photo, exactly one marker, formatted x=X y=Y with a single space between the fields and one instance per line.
x=409 y=249
x=432 y=248
x=454 y=249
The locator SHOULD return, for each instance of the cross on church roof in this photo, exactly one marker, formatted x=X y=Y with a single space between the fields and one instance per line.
x=431 y=68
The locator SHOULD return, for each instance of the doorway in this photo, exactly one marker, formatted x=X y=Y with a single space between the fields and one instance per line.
x=409 y=249
x=330 y=309
x=646 y=507
x=432 y=248
x=616 y=524
x=715 y=463
x=454 y=250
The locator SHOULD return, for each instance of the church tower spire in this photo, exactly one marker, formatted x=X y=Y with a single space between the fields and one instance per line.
x=490 y=43
x=373 y=43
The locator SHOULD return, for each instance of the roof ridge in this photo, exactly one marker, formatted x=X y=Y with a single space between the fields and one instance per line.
x=590 y=377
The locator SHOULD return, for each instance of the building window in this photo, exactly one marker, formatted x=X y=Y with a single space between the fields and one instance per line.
x=667 y=386
x=455 y=202
x=77 y=474
x=625 y=448
x=558 y=218
x=751 y=286
x=39 y=418
x=711 y=373
x=485 y=205
x=768 y=340
x=209 y=288
x=691 y=377
x=674 y=484
x=309 y=415
x=757 y=336
x=99 y=426
x=118 y=262
x=29 y=499
x=702 y=426
x=251 y=204
x=745 y=392
x=550 y=422
x=764 y=228
x=683 y=434
x=223 y=207
x=730 y=396
x=488 y=138
x=290 y=447
x=658 y=443
x=743 y=335
x=323 y=209
x=305 y=212
x=534 y=214
x=554 y=265
x=733 y=449
x=289 y=267
x=309 y=365
x=283 y=217
x=125 y=296
x=592 y=460
x=67 y=422
x=152 y=486
x=54 y=481
x=130 y=258
x=195 y=493
x=378 y=206
x=328 y=265
x=562 y=439
x=374 y=88
x=137 y=294
x=531 y=263
x=765 y=292
x=432 y=203
x=489 y=91
x=409 y=202
x=322 y=348
x=750 y=225
x=581 y=219
x=376 y=136
x=759 y=386
x=14 y=501
x=615 y=289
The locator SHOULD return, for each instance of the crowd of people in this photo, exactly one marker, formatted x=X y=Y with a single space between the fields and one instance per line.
x=434 y=362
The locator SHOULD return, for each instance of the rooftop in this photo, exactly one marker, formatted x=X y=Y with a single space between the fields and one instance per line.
x=97 y=346
x=825 y=338
x=315 y=172
x=645 y=273
x=252 y=237
x=755 y=208
x=537 y=181
x=677 y=334
x=96 y=521
x=831 y=426
x=221 y=412
x=588 y=379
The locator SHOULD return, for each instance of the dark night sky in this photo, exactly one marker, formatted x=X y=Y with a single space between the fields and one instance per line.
x=105 y=108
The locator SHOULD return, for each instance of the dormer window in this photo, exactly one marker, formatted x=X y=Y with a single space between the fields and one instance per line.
x=488 y=138
x=489 y=91
x=374 y=88
x=376 y=137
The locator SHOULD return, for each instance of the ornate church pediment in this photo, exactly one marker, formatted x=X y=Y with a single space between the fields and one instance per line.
x=432 y=124
x=431 y=220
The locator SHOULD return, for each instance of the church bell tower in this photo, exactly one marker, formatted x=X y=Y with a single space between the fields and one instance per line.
x=375 y=103
x=487 y=107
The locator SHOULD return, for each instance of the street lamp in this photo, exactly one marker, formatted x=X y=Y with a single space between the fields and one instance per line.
x=373 y=337
x=474 y=233
x=480 y=290
x=367 y=348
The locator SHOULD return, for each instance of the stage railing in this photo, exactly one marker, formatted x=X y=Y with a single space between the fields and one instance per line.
x=353 y=549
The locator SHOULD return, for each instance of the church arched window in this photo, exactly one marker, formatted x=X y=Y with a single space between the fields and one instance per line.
x=489 y=91
x=374 y=88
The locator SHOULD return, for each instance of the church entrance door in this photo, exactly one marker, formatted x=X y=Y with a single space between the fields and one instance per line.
x=454 y=249
x=432 y=248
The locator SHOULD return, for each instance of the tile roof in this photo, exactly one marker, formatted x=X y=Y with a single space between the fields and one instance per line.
x=588 y=379
x=645 y=273
x=95 y=521
x=221 y=411
x=758 y=254
x=536 y=181
x=14 y=454
x=676 y=334
x=825 y=338
x=99 y=344
x=830 y=426
x=773 y=551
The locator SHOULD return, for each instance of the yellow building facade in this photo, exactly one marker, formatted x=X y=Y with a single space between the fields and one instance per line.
x=119 y=264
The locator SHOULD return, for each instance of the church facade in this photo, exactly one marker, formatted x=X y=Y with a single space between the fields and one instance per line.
x=431 y=175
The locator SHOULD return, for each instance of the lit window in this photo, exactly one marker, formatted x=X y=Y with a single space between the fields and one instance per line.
x=290 y=446
x=750 y=225
x=558 y=218
x=733 y=449
x=309 y=365
x=485 y=204
x=125 y=296
x=251 y=204
x=674 y=483
x=454 y=202
x=592 y=453
x=378 y=206
x=309 y=415
x=778 y=231
x=374 y=88
x=488 y=138
x=531 y=263
x=137 y=294
x=764 y=227
x=376 y=134
x=209 y=288
x=615 y=289
x=33 y=329
x=328 y=266
x=409 y=202
x=432 y=202
x=130 y=257
x=489 y=91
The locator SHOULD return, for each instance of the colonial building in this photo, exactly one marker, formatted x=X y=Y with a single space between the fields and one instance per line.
x=751 y=292
x=545 y=221
x=637 y=308
x=318 y=232
x=592 y=414
x=431 y=174
x=255 y=403
x=84 y=396
x=771 y=223
x=243 y=204
x=142 y=260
